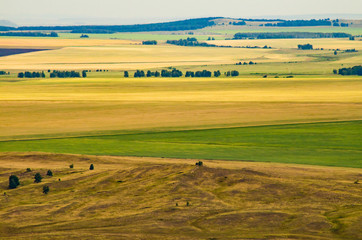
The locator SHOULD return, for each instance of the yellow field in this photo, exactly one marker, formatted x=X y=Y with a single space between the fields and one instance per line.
x=146 y=198
x=342 y=44
x=117 y=55
x=52 y=106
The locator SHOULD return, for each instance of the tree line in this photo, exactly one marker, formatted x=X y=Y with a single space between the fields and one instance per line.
x=174 y=73
x=31 y=75
x=67 y=74
x=149 y=42
x=189 y=24
x=305 y=47
x=285 y=35
x=29 y=34
x=300 y=23
x=356 y=70
x=189 y=42
x=54 y=74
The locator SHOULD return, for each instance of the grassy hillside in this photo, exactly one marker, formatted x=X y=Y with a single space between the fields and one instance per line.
x=133 y=198
x=328 y=144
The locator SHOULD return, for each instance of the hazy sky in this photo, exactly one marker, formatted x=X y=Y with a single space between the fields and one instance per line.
x=31 y=11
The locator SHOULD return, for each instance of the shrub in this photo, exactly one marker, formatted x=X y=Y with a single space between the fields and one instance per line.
x=199 y=163
x=28 y=170
x=45 y=189
x=91 y=167
x=71 y=165
x=13 y=182
x=50 y=173
x=37 y=178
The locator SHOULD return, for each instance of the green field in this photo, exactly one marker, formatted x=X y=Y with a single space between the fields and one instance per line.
x=328 y=144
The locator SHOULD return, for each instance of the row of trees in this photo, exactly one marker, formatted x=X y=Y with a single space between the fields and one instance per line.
x=300 y=23
x=189 y=24
x=31 y=75
x=305 y=47
x=245 y=63
x=356 y=70
x=67 y=74
x=29 y=34
x=4 y=73
x=286 y=35
x=149 y=42
x=174 y=73
x=189 y=42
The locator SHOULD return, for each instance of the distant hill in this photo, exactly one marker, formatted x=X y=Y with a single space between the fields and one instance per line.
x=7 y=23
x=183 y=25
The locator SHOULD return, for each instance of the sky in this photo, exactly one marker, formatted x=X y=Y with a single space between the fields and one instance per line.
x=47 y=12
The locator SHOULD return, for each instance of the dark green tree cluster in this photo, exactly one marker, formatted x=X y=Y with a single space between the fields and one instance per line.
x=286 y=35
x=149 y=42
x=153 y=74
x=31 y=75
x=189 y=24
x=139 y=74
x=232 y=73
x=193 y=42
x=29 y=34
x=64 y=74
x=356 y=70
x=246 y=63
x=305 y=47
x=217 y=73
x=242 y=23
x=300 y=23
x=198 y=74
x=174 y=73
x=84 y=36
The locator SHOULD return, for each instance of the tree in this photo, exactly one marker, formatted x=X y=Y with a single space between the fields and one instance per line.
x=13 y=182
x=42 y=74
x=91 y=167
x=37 y=178
x=50 y=173
x=45 y=189
x=20 y=75
x=126 y=75
x=84 y=73
x=53 y=34
x=71 y=165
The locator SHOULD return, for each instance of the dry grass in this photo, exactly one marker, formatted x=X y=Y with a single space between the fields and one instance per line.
x=135 y=198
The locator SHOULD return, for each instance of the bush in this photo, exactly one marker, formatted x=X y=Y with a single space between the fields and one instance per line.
x=37 y=178
x=28 y=170
x=91 y=167
x=13 y=182
x=50 y=173
x=71 y=165
x=45 y=189
x=199 y=163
